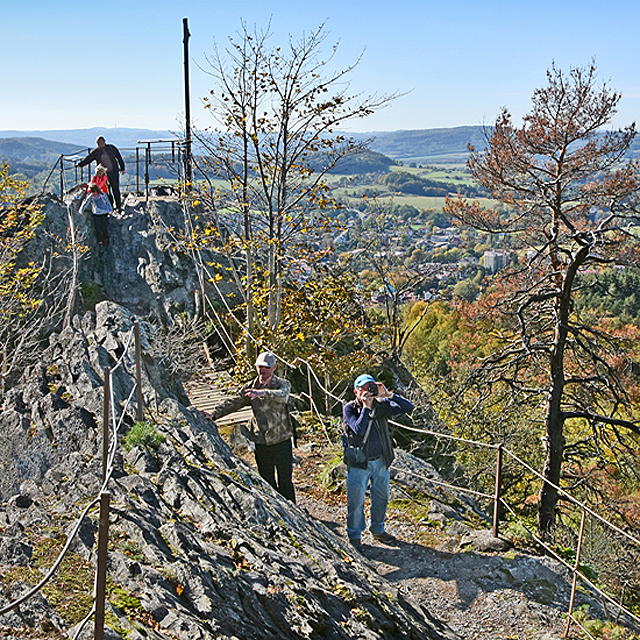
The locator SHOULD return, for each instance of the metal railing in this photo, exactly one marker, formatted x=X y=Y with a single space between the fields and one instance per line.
x=150 y=158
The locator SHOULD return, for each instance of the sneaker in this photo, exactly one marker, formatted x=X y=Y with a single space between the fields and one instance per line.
x=384 y=537
x=356 y=543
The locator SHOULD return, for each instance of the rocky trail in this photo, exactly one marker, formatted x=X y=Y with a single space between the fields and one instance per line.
x=479 y=595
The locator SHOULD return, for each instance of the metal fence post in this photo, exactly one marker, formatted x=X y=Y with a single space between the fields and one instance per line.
x=61 y=176
x=147 y=162
x=139 y=401
x=496 y=495
x=138 y=169
x=575 y=574
x=101 y=571
x=105 y=421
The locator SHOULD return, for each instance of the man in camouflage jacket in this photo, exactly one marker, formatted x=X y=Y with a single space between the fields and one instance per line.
x=270 y=428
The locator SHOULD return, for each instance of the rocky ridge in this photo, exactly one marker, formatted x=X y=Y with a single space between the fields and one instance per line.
x=201 y=547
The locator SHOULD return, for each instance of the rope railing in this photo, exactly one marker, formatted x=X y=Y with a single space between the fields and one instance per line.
x=111 y=426
x=497 y=497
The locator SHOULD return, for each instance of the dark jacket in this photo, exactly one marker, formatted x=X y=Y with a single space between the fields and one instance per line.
x=357 y=418
x=108 y=156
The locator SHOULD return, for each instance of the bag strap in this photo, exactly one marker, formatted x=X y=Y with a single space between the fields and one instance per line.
x=345 y=430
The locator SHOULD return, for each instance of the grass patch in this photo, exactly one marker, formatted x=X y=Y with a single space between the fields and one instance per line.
x=70 y=591
x=144 y=435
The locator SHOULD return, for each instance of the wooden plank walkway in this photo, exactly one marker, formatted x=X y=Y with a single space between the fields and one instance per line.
x=207 y=394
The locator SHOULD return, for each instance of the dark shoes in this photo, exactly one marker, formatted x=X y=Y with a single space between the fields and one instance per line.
x=384 y=537
x=356 y=543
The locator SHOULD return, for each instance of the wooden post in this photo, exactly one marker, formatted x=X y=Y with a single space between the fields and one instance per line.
x=575 y=574
x=139 y=400
x=309 y=387
x=101 y=571
x=105 y=421
x=496 y=495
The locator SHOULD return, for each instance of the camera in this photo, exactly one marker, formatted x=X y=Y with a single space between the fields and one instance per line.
x=372 y=388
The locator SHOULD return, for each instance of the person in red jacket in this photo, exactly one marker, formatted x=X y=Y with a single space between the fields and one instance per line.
x=100 y=178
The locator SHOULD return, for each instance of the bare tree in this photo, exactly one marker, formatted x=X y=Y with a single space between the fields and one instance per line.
x=571 y=210
x=33 y=288
x=277 y=111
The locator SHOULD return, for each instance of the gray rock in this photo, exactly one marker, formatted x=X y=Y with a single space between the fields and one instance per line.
x=199 y=545
x=484 y=541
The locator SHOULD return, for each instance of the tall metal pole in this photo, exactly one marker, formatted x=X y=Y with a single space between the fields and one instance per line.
x=187 y=107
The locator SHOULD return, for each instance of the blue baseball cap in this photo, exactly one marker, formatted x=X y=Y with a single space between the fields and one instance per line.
x=361 y=380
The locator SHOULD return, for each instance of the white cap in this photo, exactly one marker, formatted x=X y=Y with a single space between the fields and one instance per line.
x=266 y=359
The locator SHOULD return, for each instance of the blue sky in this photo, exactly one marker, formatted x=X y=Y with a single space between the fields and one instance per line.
x=68 y=65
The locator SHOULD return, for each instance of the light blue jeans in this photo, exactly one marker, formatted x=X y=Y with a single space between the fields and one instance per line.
x=357 y=482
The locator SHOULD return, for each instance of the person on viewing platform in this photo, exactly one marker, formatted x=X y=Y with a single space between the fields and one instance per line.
x=109 y=157
x=100 y=209
x=367 y=427
x=271 y=428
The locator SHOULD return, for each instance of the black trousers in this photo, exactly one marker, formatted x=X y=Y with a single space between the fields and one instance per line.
x=114 y=186
x=101 y=227
x=277 y=459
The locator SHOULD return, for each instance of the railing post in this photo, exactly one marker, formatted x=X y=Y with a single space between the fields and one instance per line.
x=138 y=169
x=101 y=571
x=147 y=162
x=105 y=421
x=139 y=401
x=496 y=495
x=309 y=386
x=575 y=574
x=61 y=176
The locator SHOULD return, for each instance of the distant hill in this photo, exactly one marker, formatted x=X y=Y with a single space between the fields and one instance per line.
x=438 y=146
x=122 y=137
x=421 y=146
x=427 y=145
x=36 y=149
x=26 y=150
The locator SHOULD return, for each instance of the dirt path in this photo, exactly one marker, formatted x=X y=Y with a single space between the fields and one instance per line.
x=467 y=590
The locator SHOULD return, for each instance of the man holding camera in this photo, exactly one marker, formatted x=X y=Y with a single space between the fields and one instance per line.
x=366 y=419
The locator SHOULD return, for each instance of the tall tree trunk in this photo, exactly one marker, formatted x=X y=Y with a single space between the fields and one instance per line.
x=554 y=427
x=250 y=348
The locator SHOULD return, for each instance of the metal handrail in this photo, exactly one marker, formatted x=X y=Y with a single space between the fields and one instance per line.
x=149 y=148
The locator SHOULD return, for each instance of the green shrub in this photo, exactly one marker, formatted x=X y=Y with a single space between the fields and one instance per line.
x=143 y=434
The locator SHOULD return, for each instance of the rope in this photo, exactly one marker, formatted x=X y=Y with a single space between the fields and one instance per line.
x=109 y=472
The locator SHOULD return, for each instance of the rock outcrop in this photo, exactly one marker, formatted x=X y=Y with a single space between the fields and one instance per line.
x=200 y=546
